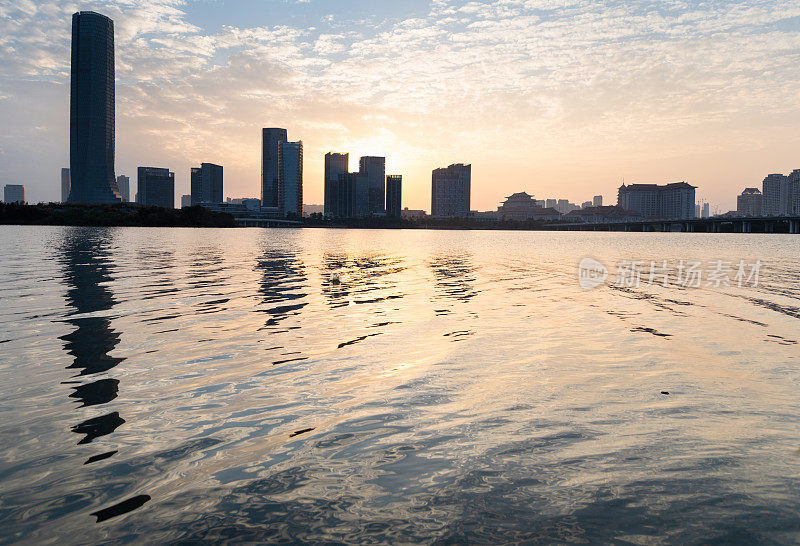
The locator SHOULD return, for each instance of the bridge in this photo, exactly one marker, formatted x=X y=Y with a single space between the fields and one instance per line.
x=716 y=224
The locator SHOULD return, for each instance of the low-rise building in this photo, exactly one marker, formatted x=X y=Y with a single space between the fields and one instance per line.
x=603 y=215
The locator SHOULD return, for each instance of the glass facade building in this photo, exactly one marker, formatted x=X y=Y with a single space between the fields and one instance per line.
x=290 y=178
x=271 y=139
x=91 y=127
x=394 y=190
x=156 y=187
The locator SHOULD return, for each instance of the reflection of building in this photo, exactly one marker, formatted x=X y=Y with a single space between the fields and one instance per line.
x=156 y=187
x=87 y=271
x=14 y=193
x=271 y=140
x=65 y=184
x=671 y=201
x=186 y=201
x=91 y=125
x=206 y=183
x=374 y=170
x=450 y=191
x=290 y=178
x=394 y=190
x=335 y=164
x=124 y=186
x=750 y=202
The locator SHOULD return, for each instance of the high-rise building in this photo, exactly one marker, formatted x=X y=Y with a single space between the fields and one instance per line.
x=394 y=191
x=551 y=203
x=65 y=184
x=91 y=126
x=14 y=193
x=671 y=201
x=271 y=140
x=290 y=178
x=706 y=212
x=750 y=202
x=156 y=187
x=186 y=201
x=344 y=198
x=597 y=201
x=450 y=191
x=374 y=169
x=335 y=164
x=206 y=183
x=124 y=186
x=794 y=192
x=775 y=189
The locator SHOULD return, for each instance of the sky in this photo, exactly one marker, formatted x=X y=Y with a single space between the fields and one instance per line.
x=559 y=98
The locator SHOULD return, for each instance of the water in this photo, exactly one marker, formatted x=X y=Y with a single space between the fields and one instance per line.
x=168 y=385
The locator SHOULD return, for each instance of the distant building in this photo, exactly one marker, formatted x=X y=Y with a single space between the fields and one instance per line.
x=374 y=169
x=156 y=187
x=485 y=216
x=564 y=206
x=586 y=204
x=124 y=186
x=308 y=210
x=545 y=214
x=540 y=203
x=551 y=203
x=271 y=140
x=602 y=215
x=671 y=201
x=412 y=214
x=65 y=185
x=450 y=191
x=394 y=190
x=249 y=203
x=345 y=192
x=706 y=212
x=794 y=192
x=335 y=164
x=290 y=178
x=14 y=193
x=518 y=206
x=750 y=202
x=206 y=183
x=91 y=120
x=597 y=201
x=186 y=201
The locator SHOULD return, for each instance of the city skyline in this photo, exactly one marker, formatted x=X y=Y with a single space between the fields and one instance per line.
x=630 y=101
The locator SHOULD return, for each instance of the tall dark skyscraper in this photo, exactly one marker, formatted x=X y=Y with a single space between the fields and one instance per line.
x=206 y=184
x=271 y=140
x=394 y=190
x=375 y=170
x=156 y=187
x=91 y=126
x=335 y=164
x=290 y=178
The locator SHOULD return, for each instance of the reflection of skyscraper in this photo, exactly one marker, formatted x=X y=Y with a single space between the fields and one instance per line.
x=283 y=285
x=87 y=271
x=335 y=164
x=374 y=168
x=65 y=185
x=270 y=142
x=394 y=190
x=455 y=278
x=91 y=150
x=290 y=178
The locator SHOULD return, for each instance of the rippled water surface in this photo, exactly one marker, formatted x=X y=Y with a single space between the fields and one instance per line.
x=164 y=385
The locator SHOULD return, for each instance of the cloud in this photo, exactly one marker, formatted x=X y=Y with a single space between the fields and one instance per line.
x=523 y=88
